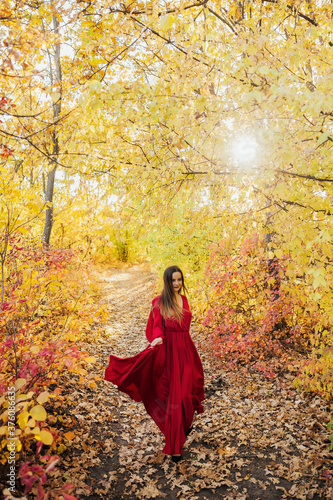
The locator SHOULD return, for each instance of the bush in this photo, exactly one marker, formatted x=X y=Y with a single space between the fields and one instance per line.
x=257 y=317
x=44 y=317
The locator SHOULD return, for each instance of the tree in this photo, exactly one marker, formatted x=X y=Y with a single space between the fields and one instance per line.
x=56 y=83
x=165 y=94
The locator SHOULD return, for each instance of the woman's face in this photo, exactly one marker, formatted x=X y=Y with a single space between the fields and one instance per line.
x=177 y=281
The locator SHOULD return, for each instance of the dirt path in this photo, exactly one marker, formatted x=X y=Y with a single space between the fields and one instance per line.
x=257 y=439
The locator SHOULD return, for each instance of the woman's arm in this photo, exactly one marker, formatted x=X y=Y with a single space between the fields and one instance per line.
x=155 y=326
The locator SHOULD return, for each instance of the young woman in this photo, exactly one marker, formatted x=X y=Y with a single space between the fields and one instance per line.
x=168 y=375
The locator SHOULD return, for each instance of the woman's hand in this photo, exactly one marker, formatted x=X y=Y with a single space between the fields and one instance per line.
x=159 y=340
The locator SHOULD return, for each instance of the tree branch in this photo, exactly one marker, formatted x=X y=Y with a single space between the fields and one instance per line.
x=296 y=11
x=223 y=20
x=303 y=176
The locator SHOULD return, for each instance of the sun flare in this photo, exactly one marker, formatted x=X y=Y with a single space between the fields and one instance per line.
x=244 y=150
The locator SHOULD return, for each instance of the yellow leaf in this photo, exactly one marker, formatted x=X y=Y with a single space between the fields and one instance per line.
x=319 y=280
x=55 y=96
x=23 y=397
x=95 y=85
x=91 y=359
x=3 y=430
x=31 y=423
x=322 y=138
x=70 y=336
x=23 y=419
x=20 y=383
x=263 y=70
x=35 y=349
x=279 y=253
x=46 y=437
x=38 y=413
x=43 y=397
x=166 y=22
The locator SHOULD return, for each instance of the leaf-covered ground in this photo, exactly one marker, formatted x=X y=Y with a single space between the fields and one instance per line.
x=257 y=439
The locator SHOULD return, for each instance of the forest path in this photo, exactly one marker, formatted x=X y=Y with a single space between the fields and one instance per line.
x=257 y=439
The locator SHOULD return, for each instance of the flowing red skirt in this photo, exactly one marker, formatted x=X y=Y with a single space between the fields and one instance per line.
x=169 y=380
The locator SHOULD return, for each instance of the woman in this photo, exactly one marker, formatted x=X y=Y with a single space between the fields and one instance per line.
x=168 y=375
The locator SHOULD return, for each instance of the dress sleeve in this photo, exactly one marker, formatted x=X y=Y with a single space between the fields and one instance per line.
x=155 y=324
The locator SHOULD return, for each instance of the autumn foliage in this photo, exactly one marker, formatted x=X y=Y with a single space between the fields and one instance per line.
x=126 y=133
x=257 y=317
x=47 y=310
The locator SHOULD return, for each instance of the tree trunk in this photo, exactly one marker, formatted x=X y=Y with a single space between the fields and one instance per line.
x=273 y=264
x=55 y=150
x=273 y=269
x=49 y=210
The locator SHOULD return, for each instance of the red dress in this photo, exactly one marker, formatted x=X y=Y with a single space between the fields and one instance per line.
x=167 y=378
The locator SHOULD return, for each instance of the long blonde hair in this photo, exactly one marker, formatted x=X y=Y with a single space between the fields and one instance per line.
x=168 y=304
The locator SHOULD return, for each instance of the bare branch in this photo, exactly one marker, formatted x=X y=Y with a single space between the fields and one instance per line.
x=303 y=176
x=295 y=11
